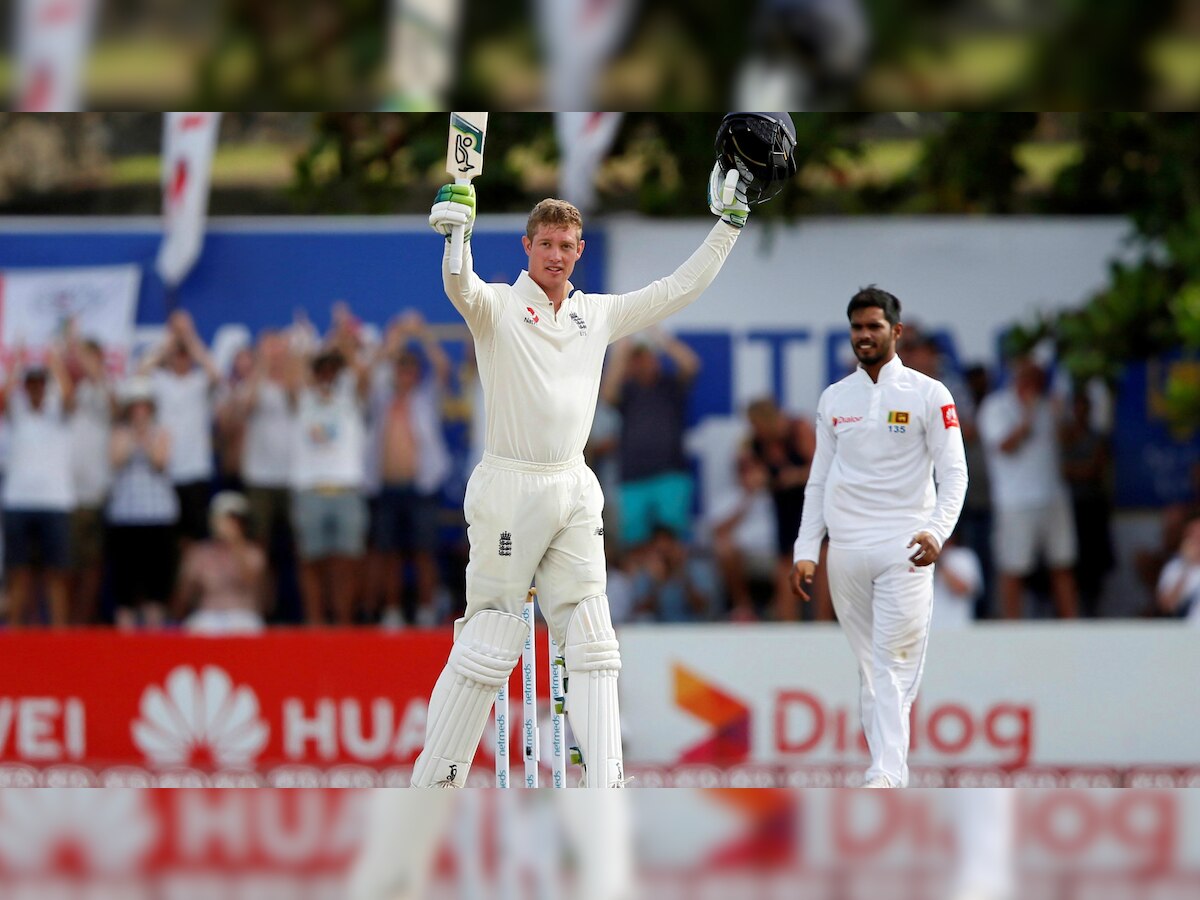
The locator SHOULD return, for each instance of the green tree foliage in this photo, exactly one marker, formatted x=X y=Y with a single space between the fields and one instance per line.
x=1148 y=167
x=971 y=164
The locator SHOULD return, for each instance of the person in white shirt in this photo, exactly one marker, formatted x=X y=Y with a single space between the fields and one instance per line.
x=261 y=403
x=1178 y=591
x=329 y=511
x=743 y=531
x=884 y=433
x=38 y=492
x=91 y=469
x=532 y=507
x=185 y=378
x=957 y=582
x=1031 y=502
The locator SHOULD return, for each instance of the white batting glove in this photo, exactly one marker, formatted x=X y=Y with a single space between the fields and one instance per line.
x=453 y=205
x=727 y=200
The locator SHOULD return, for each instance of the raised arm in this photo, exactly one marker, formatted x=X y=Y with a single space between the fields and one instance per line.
x=66 y=384
x=640 y=309
x=650 y=305
x=687 y=361
x=186 y=334
x=439 y=361
x=475 y=301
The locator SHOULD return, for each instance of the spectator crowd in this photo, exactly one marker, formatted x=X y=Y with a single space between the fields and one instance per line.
x=311 y=481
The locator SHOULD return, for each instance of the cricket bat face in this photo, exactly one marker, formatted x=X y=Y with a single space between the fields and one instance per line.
x=464 y=154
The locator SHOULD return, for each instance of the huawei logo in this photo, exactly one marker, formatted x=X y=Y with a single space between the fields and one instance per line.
x=79 y=831
x=200 y=720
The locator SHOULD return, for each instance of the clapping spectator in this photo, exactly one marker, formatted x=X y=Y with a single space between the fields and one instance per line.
x=230 y=420
x=143 y=511
x=413 y=461
x=222 y=580
x=1030 y=499
x=670 y=585
x=329 y=511
x=785 y=446
x=91 y=429
x=1178 y=593
x=957 y=581
x=261 y=404
x=743 y=529
x=1085 y=462
x=656 y=483
x=185 y=378
x=38 y=491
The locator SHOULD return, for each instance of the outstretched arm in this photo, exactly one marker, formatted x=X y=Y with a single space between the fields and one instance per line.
x=642 y=308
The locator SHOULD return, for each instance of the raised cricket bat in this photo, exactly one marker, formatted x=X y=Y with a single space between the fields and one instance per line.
x=464 y=160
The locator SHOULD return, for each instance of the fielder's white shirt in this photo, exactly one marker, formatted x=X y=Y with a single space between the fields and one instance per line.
x=878 y=447
x=540 y=371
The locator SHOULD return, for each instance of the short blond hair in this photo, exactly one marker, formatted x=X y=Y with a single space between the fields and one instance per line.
x=556 y=214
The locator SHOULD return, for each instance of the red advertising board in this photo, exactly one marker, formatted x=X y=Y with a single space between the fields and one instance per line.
x=288 y=708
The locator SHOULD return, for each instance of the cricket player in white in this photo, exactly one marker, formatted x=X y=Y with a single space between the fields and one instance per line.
x=883 y=433
x=532 y=506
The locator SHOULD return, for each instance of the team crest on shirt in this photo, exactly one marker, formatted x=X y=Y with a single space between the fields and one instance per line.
x=579 y=323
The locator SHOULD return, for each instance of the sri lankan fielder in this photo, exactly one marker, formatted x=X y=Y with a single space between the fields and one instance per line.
x=883 y=433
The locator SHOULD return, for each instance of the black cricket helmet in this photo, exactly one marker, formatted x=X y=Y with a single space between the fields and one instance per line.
x=762 y=147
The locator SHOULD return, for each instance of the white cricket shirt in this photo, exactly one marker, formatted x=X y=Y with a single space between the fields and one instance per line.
x=1030 y=477
x=541 y=371
x=879 y=445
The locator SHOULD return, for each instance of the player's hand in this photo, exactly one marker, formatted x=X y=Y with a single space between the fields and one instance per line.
x=928 y=549
x=731 y=206
x=453 y=205
x=802 y=578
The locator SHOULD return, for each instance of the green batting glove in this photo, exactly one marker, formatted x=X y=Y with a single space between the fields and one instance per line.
x=453 y=205
x=731 y=206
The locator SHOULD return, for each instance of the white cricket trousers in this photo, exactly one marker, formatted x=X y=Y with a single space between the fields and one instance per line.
x=527 y=521
x=883 y=603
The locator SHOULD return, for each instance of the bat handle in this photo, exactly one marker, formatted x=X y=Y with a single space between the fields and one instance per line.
x=456 y=249
x=457 y=239
x=729 y=194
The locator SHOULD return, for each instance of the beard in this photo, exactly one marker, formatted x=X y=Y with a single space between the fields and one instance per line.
x=872 y=355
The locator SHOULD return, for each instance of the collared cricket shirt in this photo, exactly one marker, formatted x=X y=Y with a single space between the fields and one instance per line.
x=540 y=371
x=879 y=445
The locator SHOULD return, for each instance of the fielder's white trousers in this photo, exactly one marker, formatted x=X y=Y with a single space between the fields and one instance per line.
x=883 y=603
x=527 y=521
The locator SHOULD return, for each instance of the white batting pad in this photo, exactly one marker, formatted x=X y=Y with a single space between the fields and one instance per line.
x=484 y=653
x=593 y=660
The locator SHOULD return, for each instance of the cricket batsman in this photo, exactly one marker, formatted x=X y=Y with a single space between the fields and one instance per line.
x=883 y=433
x=533 y=509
